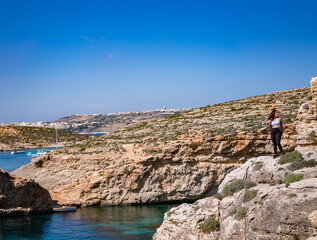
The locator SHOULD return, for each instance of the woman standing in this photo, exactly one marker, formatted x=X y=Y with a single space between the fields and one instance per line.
x=276 y=126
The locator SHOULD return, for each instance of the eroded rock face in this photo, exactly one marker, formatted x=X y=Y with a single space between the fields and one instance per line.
x=307 y=122
x=182 y=171
x=277 y=211
x=20 y=196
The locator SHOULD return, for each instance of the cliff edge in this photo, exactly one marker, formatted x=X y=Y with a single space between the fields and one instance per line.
x=265 y=198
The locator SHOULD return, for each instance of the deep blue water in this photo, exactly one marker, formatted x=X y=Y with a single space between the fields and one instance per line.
x=113 y=222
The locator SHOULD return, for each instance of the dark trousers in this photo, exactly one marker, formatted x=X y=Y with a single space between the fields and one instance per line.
x=276 y=135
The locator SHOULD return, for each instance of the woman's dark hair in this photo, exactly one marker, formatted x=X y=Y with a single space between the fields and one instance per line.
x=272 y=115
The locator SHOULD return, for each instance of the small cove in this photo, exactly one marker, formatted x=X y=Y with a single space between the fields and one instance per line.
x=110 y=222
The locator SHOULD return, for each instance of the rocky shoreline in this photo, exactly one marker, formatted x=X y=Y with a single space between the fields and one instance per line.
x=262 y=199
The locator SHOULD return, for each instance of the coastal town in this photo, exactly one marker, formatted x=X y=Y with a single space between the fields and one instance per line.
x=100 y=123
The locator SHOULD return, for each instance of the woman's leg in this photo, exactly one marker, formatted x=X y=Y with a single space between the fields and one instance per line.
x=273 y=137
x=278 y=136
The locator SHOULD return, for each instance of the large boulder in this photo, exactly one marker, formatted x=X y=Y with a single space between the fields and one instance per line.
x=262 y=199
x=19 y=196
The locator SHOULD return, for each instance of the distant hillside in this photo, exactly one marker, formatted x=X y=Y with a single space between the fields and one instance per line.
x=98 y=123
x=30 y=137
x=220 y=119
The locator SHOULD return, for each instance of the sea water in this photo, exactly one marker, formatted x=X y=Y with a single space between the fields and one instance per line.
x=10 y=162
x=111 y=222
x=125 y=222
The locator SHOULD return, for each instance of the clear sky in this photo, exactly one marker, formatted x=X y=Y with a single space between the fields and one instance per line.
x=65 y=57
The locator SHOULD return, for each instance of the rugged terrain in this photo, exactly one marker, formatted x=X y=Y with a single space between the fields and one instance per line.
x=20 y=196
x=12 y=138
x=265 y=198
x=179 y=158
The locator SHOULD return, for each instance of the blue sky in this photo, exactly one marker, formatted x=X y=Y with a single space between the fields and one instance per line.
x=65 y=57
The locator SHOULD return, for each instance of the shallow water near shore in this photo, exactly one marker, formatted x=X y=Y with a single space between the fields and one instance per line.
x=112 y=222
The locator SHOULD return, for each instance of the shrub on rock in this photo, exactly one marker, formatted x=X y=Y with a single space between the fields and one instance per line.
x=241 y=213
x=249 y=195
x=233 y=187
x=302 y=164
x=292 y=178
x=291 y=157
x=210 y=225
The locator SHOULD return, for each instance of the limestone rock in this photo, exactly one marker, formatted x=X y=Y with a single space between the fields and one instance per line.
x=179 y=172
x=20 y=196
x=307 y=122
x=276 y=211
x=313 y=84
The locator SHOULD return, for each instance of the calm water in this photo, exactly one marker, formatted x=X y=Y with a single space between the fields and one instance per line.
x=128 y=222
x=96 y=134
x=10 y=162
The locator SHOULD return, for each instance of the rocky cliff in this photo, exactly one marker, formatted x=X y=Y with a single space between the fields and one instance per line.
x=264 y=198
x=179 y=158
x=20 y=196
x=307 y=121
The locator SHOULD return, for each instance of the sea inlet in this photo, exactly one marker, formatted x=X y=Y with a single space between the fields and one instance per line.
x=110 y=222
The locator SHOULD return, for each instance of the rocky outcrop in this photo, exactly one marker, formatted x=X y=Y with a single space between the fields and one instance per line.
x=307 y=122
x=175 y=172
x=20 y=196
x=262 y=199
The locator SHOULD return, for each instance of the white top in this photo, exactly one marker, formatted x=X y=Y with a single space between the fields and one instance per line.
x=275 y=122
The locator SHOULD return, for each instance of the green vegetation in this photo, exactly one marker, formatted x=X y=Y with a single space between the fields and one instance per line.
x=37 y=136
x=291 y=195
x=249 y=184
x=249 y=195
x=290 y=157
x=210 y=225
x=241 y=213
x=233 y=187
x=303 y=164
x=258 y=166
x=173 y=222
x=313 y=137
x=254 y=229
x=217 y=195
x=127 y=171
x=292 y=178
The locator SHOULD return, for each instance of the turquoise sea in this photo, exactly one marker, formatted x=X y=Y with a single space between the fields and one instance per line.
x=9 y=161
x=112 y=222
